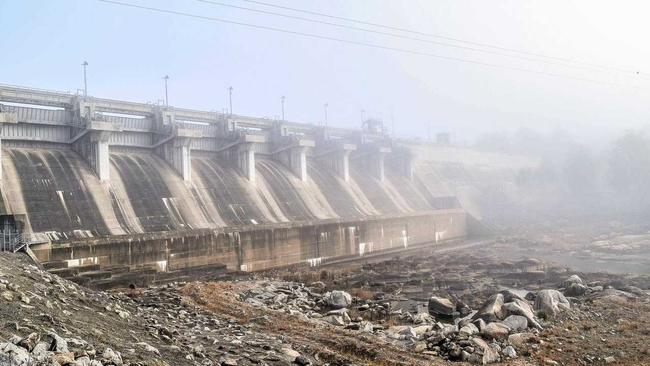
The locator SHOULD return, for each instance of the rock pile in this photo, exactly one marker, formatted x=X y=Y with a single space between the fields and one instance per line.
x=51 y=349
x=46 y=320
x=507 y=324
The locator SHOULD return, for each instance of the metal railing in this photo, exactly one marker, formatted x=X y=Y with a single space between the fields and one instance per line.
x=12 y=241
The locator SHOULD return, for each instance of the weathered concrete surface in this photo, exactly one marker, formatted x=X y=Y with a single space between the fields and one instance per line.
x=253 y=248
x=194 y=183
x=62 y=197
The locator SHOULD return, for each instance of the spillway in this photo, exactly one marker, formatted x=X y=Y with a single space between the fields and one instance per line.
x=128 y=189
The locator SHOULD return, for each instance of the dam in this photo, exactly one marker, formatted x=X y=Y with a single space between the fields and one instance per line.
x=103 y=191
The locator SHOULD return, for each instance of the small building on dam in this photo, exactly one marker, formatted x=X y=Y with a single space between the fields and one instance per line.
x=104 y=191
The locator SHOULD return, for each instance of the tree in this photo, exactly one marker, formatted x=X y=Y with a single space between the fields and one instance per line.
x=580 y=170
x=629 y=163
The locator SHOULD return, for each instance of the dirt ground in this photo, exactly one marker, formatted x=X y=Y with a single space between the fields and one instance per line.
x=208 y=323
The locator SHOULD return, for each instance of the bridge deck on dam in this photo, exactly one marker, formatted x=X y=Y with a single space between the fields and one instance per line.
x=77 y=168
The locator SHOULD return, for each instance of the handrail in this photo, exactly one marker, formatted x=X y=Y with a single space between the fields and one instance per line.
x=13 y=241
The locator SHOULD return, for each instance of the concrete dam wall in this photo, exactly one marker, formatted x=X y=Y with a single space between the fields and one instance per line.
x=86 y=180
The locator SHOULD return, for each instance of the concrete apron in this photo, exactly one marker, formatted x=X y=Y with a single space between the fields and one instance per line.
x=142 y=259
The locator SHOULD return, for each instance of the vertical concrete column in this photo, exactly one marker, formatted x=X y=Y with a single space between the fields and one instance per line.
x=377 y=163
x=299 y=162
x=179 y=156
x=378 y=166
x=100 y=157
x=185 y=159
x=337 y=156
x=246 y=160
x=341 y=164
x=5 y=118
x=92 y=143
x=176 y=150
x=294 y=157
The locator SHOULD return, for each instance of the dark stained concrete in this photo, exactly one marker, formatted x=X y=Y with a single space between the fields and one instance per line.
x=252 y=248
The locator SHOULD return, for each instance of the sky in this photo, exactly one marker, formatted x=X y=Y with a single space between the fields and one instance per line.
x=417 y=92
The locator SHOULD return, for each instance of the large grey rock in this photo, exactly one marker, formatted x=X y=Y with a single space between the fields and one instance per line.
x=520 y=340
x=516 y=323
x=510 y=295
x=403 y=332
x=30 y=341
x=110 y=357
x=492 y=310
x=575 y=289
x=58 y=343
x=496 y=330
x=16 y=355
x=147 y=347
x=509 y=351
x=469 y=329
x=550 y=302
x=82 y=361
x=423 y=318
x=490 y=355
x=523 y=308
x=334 y=320
x=62 y=358
x=290 y=354
x=366 y=327
x=571 y=280
x=338 y=299
x=441 y=306
x=40 y=352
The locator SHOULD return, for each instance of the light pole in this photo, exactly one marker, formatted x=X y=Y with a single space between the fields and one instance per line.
x=362 y=114
x=282 y=101
x=85 y=80
x=166 y=77
x=230 y=98
x=325 y=107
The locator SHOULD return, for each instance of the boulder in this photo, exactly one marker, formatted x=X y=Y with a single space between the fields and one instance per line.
x=575 y=289
x=448 y=329
x=402 y=332
x=516 y=323
x=492 y=310
x=58 y=344
x=549 y=302
x=62 y=358
x=571 y=280
x=147 y=347
x=510 y=295
x=290 y=354
x=490 y=355
x=17 y=356
x=30 y=341
x=334 y=319
x=366 y=327
x=496 y=330
x=480 y=323
x=519 y=340
x=40 y=352
x=509 y=351
x=441 y=306
x=423 y=318
x=110 y=357
x=338 y=299
x=521 y=307
x=469 y=329
x=422 y=330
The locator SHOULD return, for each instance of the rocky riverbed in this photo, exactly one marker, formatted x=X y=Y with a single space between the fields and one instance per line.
x=467 y=306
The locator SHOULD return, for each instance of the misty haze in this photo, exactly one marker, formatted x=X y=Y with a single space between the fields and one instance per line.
x=360 y=182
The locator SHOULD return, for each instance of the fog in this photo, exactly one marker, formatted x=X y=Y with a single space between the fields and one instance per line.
x=130 y=49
